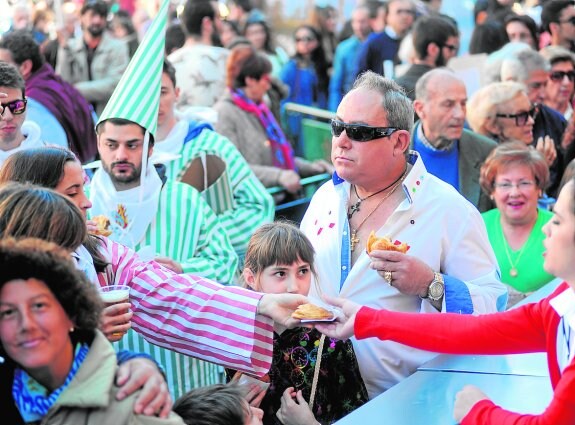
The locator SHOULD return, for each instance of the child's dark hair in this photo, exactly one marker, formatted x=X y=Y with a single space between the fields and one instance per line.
x=213 y=405
x=280 y=242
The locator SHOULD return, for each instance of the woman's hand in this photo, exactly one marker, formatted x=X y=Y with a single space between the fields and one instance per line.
x=92 y=226
x=546 y=147
x=143 y=374
x=465 y=400
x=294 y=409
x=115 y=321
x=343 y=326
x=289 y=180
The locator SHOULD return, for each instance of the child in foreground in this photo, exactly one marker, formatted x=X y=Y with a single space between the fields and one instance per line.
x=280 y=259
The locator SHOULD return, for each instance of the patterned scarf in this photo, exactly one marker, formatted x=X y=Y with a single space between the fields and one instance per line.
x=32 y=399
x=282 y=151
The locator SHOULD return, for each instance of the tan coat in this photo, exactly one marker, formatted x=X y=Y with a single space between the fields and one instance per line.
x=90 y=399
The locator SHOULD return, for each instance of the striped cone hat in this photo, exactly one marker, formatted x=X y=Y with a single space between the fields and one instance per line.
x=137 y=95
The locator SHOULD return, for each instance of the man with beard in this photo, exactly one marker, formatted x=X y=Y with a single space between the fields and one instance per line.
x=200 y=64
x=449 y=151
x=168 y=219
x=435 y=41
x=94 y=63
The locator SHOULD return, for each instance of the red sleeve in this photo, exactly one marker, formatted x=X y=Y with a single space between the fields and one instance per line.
x=520 y=330
x=561 y=411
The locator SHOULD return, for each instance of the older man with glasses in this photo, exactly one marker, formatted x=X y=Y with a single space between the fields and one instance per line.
x=379 y=186
x=15 y=132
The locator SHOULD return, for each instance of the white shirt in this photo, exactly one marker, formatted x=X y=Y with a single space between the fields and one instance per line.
x=564 y=305
x=444 y=230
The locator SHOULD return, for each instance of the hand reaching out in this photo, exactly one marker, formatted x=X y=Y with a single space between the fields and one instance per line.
x=546 y=147
x=465 y=400
x=294 y=409
x=342 y=328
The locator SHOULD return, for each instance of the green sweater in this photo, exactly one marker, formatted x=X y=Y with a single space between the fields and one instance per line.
x=528 y=260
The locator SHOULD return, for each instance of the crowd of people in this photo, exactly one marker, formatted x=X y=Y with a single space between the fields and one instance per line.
x=173 y=128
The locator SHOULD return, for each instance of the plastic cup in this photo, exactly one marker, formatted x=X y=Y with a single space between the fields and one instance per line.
x=115 y=294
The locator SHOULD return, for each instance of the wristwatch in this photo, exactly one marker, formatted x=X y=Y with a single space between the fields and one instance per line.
x=436 y=288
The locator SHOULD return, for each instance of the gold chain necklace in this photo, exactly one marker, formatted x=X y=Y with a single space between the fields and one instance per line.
x=513 y=272
x=354 y=240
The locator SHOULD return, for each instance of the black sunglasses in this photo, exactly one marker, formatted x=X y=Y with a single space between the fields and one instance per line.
x=571 y=21
x=17 y=107
x=304 y=39
x=521 y=118
x=360 y=132
x=451 y=47
x=558 y=76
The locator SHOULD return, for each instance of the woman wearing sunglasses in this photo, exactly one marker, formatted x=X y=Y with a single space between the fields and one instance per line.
x=504 y=112
x=561 y=84
x=547 y=326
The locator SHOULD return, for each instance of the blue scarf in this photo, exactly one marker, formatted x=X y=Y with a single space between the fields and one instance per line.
x=32 y=399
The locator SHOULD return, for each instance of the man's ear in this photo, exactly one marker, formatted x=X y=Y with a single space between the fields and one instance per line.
x=418 y=108
x=491 y=126
x=553 y=27
x=250 y=278
x=402 y=141
x=432 y=52
x=25 y=68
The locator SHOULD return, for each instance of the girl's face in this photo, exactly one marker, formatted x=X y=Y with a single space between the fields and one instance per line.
x=305 y=42
x=294 y=278
x=560 y=238
x=72 y=186
x=256 y=34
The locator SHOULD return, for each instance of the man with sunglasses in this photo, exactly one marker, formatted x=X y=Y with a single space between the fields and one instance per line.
x=15 y=132
x=449 y=151
x=382 y=187
x=531 y=69
x=558 y=19
x=435 y=41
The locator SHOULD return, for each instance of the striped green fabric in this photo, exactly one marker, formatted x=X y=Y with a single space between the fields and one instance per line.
x=137 y=95
x=253 y=206
x=219 y=194
x=188 y=231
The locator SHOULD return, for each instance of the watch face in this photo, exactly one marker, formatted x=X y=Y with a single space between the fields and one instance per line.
x=435 y=290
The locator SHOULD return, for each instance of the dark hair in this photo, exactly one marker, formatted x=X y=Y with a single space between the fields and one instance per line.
x=98 y=6
x=45 y=167
x=28 y=211
x=37 y=259
x=217 y=404
x=22 y=47
x=374 y=5
x=488 y=37
x=170 y=71
x=244 y=62
x=551 y=12
x=280 y=242
x=527 y=21
x=268 y=44
x=431 y=29
x=121 y=122
x=317 y=57
x=194 y=13
x=10 y=77
x=175 y=38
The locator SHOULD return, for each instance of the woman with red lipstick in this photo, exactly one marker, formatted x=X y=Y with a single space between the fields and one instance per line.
x=546 y=326
x=514 y=176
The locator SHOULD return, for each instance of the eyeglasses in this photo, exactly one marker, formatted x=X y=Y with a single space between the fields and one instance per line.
x=451 y=47
x=360 y=132
x=558 y=76
x=17 y=107
x=522 y=186
x=571 y=21
x=304 y=39
x=521 y=118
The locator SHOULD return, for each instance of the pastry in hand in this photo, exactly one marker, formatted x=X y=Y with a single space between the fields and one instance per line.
x=384 y=244
x=311 y=312
x=103 y=225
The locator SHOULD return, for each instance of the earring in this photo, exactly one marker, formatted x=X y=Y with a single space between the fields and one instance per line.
x=71 y=329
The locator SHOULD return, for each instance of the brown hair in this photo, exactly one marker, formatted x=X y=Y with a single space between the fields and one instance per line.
x=280 y=242
x=513 y=153
x=244 y=62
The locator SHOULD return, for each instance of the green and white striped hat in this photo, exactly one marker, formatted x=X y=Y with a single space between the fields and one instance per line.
x=137 y=95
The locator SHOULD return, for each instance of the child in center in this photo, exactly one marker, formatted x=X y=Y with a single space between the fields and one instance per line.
x=280 y=259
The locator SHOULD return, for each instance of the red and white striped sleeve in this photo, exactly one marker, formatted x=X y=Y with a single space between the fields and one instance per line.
x=192 y=315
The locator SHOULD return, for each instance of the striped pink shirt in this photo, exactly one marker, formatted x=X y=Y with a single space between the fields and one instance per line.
x=190 y=314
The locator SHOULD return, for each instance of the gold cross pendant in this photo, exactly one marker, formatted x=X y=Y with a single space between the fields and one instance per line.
x=354 y=240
